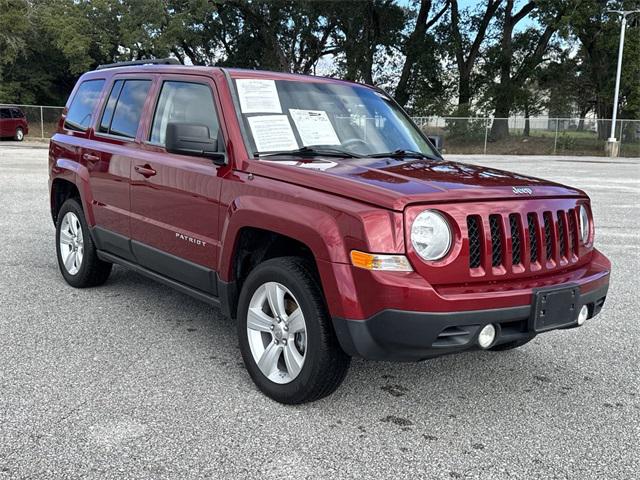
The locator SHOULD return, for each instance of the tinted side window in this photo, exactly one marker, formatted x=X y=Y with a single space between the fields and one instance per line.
x=17 y=113
x=107 y=116
x=128 y=109
x=4 y=113
x=182 y=102
x=82 y=105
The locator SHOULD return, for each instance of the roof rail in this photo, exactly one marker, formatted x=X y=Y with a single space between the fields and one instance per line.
x=150 y=61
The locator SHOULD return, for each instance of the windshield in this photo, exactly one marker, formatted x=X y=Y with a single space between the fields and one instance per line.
x=286 y=115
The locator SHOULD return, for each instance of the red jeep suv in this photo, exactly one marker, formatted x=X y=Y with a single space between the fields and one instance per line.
x=316 y=214
x=13 y=123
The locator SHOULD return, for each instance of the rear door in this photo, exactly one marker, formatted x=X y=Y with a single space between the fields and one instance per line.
x=19 y=119
x=109 y=157
x=174 y=198
x=5 y=122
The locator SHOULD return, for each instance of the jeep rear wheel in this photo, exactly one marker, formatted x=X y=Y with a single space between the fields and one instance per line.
x=19 y=135
x=77 y=256
x=286 y=335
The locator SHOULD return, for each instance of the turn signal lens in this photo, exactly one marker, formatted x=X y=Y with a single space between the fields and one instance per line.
x=371 y=261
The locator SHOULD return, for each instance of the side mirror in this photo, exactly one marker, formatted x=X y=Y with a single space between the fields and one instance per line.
x=193 y=139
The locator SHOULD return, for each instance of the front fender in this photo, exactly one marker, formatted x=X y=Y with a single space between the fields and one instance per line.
x=315 y=228
x=77 y=174
x=330 y=226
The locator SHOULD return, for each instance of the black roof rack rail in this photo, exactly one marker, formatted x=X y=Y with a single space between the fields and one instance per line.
x=150 y=61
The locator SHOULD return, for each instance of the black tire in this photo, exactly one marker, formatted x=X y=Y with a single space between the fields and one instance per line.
x=19 y=135
x=92 y=271
x=326 y=364
x=510 y=346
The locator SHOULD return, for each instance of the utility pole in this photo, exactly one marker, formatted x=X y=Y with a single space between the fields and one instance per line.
x=613 y=146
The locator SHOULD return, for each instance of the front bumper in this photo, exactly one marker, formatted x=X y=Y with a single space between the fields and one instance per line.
x=410 y=336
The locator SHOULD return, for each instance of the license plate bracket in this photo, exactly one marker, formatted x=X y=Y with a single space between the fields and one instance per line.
x=555 y=307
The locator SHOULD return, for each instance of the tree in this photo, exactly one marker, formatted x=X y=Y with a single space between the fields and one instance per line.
x=569 y=90
x=415 y=45
x=362 y=29
x=466 y=40
x=406 y=46
x=599 y=35
x=536 y=40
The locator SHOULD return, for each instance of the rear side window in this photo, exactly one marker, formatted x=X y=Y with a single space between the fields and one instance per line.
x=17 y=113
x=5 y=113
x=183 y=102
x=107 y=116
x=82 y=106
x=124 y=108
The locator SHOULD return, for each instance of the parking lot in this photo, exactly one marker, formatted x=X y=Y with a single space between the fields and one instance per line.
x=135 y=380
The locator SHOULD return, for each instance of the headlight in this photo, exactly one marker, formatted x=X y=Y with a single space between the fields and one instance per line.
x=431 y=235
x=584 y=224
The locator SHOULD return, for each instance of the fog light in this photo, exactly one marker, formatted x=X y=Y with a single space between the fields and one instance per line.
x=487 y=336
x=582 y=316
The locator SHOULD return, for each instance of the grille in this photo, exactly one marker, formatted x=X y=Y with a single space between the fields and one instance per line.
x=496 y=240
x=473 y=227
x=533 y=239
x=562 y=236
x=548 y=220
x=547 y=235
x=573 y=232
x=515 y=239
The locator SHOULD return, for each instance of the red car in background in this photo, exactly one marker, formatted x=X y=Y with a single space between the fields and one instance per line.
x=13 y=123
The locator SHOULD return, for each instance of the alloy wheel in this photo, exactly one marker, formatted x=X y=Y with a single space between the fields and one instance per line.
x=71 y=243
x=277 y=332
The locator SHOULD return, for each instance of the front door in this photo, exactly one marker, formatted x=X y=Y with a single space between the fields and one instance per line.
x=174 y=198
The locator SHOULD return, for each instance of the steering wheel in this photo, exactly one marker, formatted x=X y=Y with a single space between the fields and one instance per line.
x=353 y=142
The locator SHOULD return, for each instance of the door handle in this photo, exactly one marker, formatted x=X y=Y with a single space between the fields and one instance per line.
x=145 y=170
x=88 y=157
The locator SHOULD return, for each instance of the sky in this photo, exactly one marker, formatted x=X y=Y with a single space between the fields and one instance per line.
x=463 y=4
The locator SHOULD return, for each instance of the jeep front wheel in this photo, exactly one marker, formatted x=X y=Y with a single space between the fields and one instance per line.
x=77 y=256
x=286 y=336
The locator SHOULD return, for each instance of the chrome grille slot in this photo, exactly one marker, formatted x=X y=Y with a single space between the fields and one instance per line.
x=532 y=225
x=473 y=229
x=573 y=231
x=562 y=235
x=516 y=257
x=548 y=238
x=495 y=223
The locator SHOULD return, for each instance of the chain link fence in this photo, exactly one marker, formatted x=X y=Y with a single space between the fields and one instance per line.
x=470 y=135
x=532 y=136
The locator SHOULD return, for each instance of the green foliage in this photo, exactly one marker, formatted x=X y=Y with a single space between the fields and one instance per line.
x=436 y=57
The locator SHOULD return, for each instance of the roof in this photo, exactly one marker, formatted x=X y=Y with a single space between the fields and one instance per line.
x=127 y=67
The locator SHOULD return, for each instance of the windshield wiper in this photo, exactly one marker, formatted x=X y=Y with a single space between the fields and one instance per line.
x=400 y=153
x=320 y=152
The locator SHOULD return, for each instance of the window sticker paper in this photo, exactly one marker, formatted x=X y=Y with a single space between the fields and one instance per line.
x=272 y=133
x=258 y=96
x=314 y=127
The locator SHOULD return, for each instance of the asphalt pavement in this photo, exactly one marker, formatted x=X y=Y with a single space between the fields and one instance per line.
x=135 y=380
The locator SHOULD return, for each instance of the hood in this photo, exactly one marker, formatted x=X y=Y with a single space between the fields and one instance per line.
x=395 y=183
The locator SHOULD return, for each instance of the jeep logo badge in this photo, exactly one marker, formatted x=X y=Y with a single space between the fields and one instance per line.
x=522 y=190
